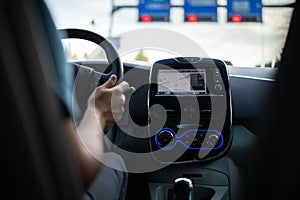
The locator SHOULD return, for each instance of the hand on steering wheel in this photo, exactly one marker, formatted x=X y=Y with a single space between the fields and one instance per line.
x=87 y=79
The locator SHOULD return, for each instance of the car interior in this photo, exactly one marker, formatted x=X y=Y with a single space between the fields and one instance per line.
x=193 y=127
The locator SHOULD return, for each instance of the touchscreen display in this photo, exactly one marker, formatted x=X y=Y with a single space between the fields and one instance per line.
x=181 y=82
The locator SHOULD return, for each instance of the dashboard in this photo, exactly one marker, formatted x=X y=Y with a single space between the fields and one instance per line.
x=217 y=174
x=249 y=87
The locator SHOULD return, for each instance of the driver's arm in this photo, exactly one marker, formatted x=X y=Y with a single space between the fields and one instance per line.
x=105 y=105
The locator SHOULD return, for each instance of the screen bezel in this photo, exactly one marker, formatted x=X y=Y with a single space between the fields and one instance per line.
x=209 y=70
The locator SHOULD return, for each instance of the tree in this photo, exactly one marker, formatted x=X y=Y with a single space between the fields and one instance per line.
x=141 y=56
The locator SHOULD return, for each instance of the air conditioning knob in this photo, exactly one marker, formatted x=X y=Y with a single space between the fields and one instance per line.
x=213 y=139
x=165 y=138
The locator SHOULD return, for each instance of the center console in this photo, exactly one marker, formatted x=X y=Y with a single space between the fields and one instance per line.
x=189 y=110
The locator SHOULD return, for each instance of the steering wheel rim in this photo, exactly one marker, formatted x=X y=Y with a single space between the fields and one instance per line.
x=109 y=49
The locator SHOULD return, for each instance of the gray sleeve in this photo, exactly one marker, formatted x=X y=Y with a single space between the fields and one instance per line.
x=109 y=184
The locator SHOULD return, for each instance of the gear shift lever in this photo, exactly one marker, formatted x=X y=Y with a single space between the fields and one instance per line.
x=183 y=189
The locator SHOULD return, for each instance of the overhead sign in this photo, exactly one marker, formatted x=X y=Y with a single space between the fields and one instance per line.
x=154 y=11
x=200 y=10
x=244 y=10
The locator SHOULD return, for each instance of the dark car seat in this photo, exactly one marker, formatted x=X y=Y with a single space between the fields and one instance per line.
x=274 y=173
x=37 y=161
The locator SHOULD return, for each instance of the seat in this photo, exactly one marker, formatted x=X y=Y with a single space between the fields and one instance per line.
x=38 y=162
x=274 y=173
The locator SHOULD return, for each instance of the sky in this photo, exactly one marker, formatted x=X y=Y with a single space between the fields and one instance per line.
x=245 y=45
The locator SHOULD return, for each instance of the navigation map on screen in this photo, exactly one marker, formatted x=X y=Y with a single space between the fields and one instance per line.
x=181 y=81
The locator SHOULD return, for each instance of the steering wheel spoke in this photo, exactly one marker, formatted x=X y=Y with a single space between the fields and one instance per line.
x=110 y=51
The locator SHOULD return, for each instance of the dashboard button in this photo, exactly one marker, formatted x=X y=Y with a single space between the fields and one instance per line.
x=218 y=87
x=213 y=139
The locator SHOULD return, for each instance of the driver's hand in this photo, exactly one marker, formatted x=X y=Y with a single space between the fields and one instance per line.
x=108 y=101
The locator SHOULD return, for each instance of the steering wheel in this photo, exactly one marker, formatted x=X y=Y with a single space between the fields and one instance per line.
x=110 y=52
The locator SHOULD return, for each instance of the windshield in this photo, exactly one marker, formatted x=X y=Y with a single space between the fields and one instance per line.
x=245 y=33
